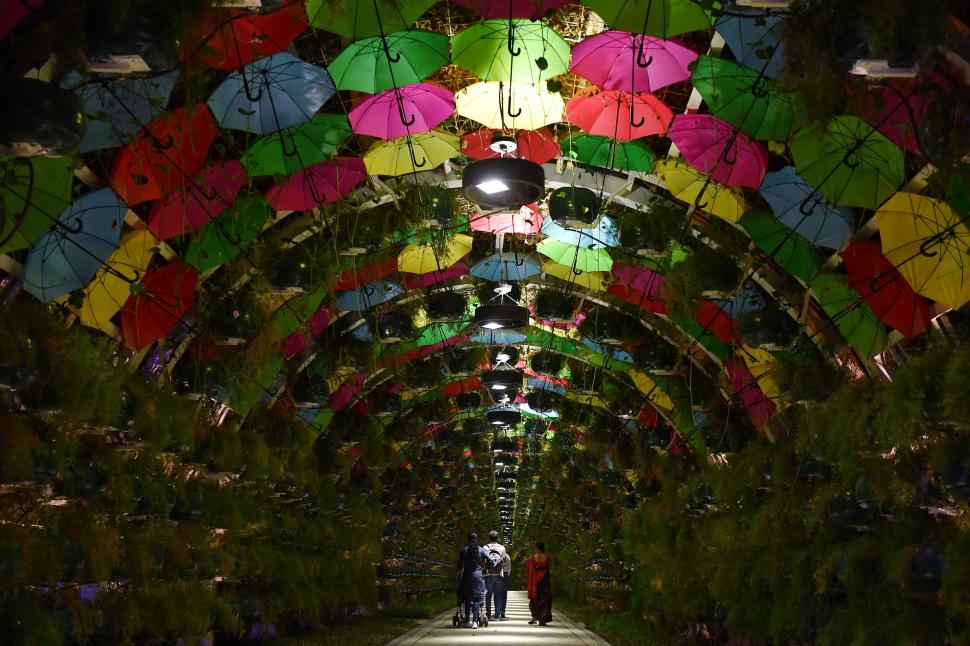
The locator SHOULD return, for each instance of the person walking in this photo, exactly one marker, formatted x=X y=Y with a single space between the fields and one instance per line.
x=471 y=586
x=495 y=581
x=540 y=585
x=506 y=576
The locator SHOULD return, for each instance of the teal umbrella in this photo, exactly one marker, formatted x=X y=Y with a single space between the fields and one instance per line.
x=604 y=152
x=517 y=50
x=376 y=64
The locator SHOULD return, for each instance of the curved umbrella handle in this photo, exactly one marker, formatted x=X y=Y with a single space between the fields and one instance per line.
x=73 y=230
x=515 y=51
x=414 y=160
x=924 y=248
x=875 y=281
x=577 y=271
x=509 y=108
x=633 y=122
x=640 y=62
x=368 y=290
x=165 y=144
x=847 y=157
x=287 y=152
x=391 y=58
x=760 y=88
x=249 y=92
x=730 y=155
x=405 y=120
x=811 y=200
x=127 y=279
x=319 y=198
x=208 y=194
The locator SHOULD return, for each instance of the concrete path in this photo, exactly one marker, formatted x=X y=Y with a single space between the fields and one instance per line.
x=516 y=631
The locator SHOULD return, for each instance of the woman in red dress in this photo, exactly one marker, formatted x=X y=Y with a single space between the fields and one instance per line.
x=540 y=585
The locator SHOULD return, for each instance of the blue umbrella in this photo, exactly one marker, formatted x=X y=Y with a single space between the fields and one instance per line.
x=608 y=351
x=748 y=299
x=799 y=206
x=363 y=333
x=603 y=235
x=367 y=296
x=117 y=108
x=535 y=383
x=752 y=37
x=270 y=94
x=506 y=266
x=69 y=254
x=497 y=337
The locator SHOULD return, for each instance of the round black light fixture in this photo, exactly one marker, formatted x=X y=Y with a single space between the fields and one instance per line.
x=502 y=380
x=45 y=119
x=508 y=355
x=655 y=355
x=626 y=407
x=503 y=182
x=468 y=401
x=504 y=445
x=499 y=316
x=573 y=206
x=505 y=460
x=394 y=326
x=445 y=306
x=462 y=363
x=503 y=417
x=554 y=306
x=767 y=328
x=473 y=426
x=541 y=401
x=546 y=363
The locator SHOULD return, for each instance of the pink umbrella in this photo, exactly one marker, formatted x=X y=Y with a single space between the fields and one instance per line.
x=623 y=116
x=525 y=220
x=346 y=393
x=894 y=109
x=200 y=200
x=759 y=407
x=716 y=147
x=403 y=111
x=538 y=145
x=298 y=341
x=532 y=9
x=13 y=12
x=323 y=183
x=457 y=270
x=641 y=279
x=619 y=60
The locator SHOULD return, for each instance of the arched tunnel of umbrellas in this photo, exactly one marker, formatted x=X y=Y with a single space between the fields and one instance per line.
x=406 y=267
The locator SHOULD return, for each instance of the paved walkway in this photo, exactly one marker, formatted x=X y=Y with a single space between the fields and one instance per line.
x=514 y=632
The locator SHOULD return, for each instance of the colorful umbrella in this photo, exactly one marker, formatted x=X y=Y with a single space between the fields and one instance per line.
x=323 y=183
x=753 y=36
x=109 y=290
x=227 y=235
x=581 y=258
x=426 y=258
x=759 y=407
x=851 y=315
x=716 y=147
x=884 y=288
x=367 y=296
x=662 y=18
x=357 y=19
x=504 y=267
x=692 y=186
x=206 y=196
x=929 y=244
x=164 y=155
x=850 y=163
x=13 y=13
x=531 y=9
x=538 y=146
x=435 y=277
x=244 y=38
x=525 y=220
x=270 y=94
x=70 y=253
x=799 y=207
x=376 y=64
x=294 y=148
x=619 y=115
x=639 y=278
x=601 y=236
x=423 y=151
x=747 y=99
x=354 y=277
x=894 y=108
x=604 y=152
x=511 y=50
x=781 y=244
x=403 y=111
x=157 y=303
x=509 y=106
x=33 y=193
x=620 y=60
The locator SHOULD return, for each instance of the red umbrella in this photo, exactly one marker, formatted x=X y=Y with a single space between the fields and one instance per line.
x=884 y=289
x=157 y=303
x=466 y=385
x=13 y=12
x=354 y=278
x=638 y=298
x=323 y=183
x=434 y=277
x=208 y=195
x=717 y=322
x=532 y=9
x=639 y=278
x=537 y=146
x=165 y=154
x=623 y=116
x=234 y=38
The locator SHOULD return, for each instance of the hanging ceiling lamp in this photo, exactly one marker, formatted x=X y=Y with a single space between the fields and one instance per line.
x=573 y=206
x=503 y=417
x=502 y=312
x=503 y=182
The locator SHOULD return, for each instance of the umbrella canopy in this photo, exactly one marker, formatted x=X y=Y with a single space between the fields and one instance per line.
x=692 y=186
x=404 y=155
x=367 y=296
x=69 y=254
x=620 y=115
x=244 y=38
x=434 y=277
x=799 y=207
x=620 y=60
x=895 y=109
x=157 y=303
x=718 y=148
x=662 y=18
x=34 y=191
x=850 y=163
x=270 y=94
x=509 y=106
x=403 y=111
x=781 y=244
x=505 y=266
x=355 y=20
x=409 y=57
x=760 y=408
x=13 y=13
x=601 y=236
x=884 y=288
x=537 y=146
x=753 y=37
x=520 y=51
x=209 y=194
x=639 y=278
x=604 y=152
x=426 y=258
x=227 y=235
x=497 y=337
x=525 y=220
x=109 y=290
x=581 y=258
x=294 y=148
x=323 y=183
x=929 y=244
x=851 y=315
x=747 y=299
x=747 y=99
x=165 y=154
x=531 y=9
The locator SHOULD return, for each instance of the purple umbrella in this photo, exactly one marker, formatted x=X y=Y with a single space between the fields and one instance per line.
x=328 y=181
x=619 y=60
x=403 y=111
x=716 y=147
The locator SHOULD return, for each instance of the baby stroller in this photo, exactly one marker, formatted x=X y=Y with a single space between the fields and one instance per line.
x=458 y=621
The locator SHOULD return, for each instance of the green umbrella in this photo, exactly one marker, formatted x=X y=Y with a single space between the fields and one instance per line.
x=376 y=64
x=438 y=332
x=357 y=19
x=227 y=235
x=579 y=258
x=603 y=152
x=747 y=99
x=294 y=148
x=857 y=323
x=663 y=18
x=296 y=311
x=511 y=50
x=706 y=338
x=850 y=163
x=783 y=245
x=33 y=193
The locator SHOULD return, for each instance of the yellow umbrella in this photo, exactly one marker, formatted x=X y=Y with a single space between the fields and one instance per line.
x=111 y=287
x=501 y=106
x=759 y=364
x=649 y=387
x=403 y=155
x=588 y=400
x=422 y=259
x=686 y=184
x=594 y=280
x=929 y=244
